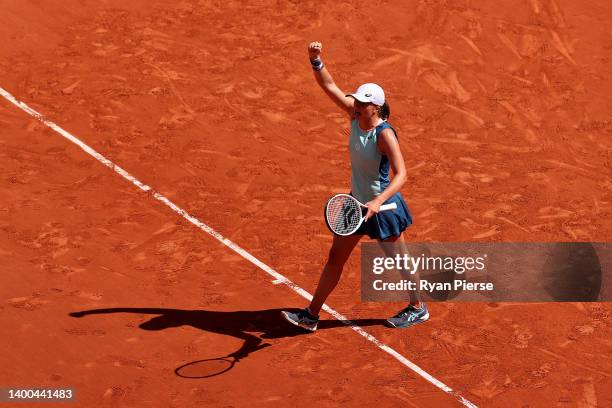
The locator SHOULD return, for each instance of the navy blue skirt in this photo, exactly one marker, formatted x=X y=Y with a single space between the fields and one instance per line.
x=390 y=223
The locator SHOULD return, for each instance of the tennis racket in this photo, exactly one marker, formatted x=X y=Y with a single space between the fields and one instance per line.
x=344 y=214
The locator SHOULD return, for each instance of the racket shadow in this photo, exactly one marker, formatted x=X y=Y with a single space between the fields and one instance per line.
x=251 y=326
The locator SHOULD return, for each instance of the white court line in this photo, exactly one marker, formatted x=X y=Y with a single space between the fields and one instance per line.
x=278 y=278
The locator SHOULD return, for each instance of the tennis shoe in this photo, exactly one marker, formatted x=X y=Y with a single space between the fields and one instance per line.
x=409 y=317
x=302 y=318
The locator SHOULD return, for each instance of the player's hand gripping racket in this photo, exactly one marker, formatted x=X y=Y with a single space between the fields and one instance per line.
x=344 y=214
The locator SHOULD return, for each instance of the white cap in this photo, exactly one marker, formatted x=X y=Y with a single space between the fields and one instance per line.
x=370 y=93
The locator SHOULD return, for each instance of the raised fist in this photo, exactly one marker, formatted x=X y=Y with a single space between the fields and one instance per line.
x=314 y=50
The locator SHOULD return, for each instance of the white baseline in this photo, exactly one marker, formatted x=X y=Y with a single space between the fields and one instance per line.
x=278 y=278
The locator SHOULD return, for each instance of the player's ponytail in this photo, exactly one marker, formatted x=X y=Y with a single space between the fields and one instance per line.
x=383 y=111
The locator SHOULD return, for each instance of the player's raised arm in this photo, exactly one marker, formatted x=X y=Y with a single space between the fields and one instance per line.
x=325 y=80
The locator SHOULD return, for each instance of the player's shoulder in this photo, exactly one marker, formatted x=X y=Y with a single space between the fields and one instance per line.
x=386 y=128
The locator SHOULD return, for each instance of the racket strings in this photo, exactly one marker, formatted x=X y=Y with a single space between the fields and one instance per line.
x=343 y=214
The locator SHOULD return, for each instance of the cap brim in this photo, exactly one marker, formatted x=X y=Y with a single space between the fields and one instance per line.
x=360 y=98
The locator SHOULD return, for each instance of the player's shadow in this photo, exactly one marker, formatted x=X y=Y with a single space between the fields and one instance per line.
x=251 y=326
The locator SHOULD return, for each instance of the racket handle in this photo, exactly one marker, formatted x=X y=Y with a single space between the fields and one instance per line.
x=387 y=207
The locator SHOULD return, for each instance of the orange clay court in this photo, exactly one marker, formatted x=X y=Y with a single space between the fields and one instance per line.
x=503 y=112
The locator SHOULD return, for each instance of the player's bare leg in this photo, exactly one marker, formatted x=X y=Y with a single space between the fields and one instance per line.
x=398 y=246
x=341 y=249
x=416 y=312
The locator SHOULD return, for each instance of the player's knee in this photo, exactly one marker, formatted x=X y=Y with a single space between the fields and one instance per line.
x=336 y=260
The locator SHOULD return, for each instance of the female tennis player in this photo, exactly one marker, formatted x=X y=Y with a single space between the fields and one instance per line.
x=374 y=148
